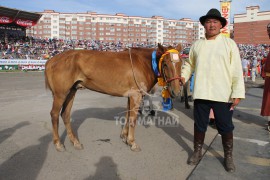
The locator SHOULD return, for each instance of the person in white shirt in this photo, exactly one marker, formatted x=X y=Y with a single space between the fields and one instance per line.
x=245 y=65
x=254 y=63
x=218 y=84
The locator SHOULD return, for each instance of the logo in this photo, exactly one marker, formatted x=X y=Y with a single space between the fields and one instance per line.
x=159 y=119
x=5 y=20
x=25 y=23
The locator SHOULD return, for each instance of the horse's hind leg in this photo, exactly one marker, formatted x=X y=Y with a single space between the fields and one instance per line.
x=66 y=118
x=57 y=105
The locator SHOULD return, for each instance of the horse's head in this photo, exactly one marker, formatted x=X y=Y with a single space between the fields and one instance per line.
x=170 y=67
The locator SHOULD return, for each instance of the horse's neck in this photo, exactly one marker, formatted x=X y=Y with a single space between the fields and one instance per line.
x=145 y=58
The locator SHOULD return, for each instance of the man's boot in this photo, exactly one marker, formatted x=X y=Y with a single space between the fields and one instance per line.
x=198 y=144
x=227 y=142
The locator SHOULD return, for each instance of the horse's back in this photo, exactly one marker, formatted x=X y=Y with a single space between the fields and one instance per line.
x=99 y=70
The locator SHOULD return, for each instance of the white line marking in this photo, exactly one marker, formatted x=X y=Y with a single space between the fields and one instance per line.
x=259 y=142
x=247 y=108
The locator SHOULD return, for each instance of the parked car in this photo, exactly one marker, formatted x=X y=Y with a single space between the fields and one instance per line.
x=185 y=52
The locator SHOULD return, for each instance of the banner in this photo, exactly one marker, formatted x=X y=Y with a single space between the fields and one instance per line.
x=25 y=23
x=20 y=22
x=225 y=7
x=5 y=20
x=21 y=62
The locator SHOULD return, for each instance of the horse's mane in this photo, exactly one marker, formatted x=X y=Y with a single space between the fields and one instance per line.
x=139 y=48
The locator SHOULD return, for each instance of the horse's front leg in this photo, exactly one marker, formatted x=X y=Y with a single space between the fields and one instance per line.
x=134 y=104
x=124 y=132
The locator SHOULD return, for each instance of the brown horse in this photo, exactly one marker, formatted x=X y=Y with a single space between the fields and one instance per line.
x=128 y=73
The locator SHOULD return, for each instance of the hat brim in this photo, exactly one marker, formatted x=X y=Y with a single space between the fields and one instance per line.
x=221 y=19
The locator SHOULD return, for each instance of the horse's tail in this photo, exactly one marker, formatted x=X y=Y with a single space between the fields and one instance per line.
x=47 y=85
x=47 y=76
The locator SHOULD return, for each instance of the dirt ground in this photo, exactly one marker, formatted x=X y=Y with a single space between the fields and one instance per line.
x=27 y=151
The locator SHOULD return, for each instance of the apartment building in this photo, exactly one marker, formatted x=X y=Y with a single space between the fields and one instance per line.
x=250 y=27
x=118 y=27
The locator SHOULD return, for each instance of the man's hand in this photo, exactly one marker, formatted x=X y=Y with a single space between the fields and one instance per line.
x=182 y=81
x=235 y=102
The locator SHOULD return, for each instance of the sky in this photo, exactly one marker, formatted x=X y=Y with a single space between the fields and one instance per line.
x=169 y=9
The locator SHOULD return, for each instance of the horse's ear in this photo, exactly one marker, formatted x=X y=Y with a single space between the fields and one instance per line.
x=179 y=47
x=161 y=48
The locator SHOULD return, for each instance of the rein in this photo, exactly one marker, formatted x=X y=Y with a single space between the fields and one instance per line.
x=162 y=81
x=137 y=84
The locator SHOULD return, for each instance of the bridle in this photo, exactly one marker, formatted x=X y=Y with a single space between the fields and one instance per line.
x=174 y=58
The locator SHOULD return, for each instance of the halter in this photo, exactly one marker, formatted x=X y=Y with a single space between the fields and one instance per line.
x=174 y=58
x=157 y=68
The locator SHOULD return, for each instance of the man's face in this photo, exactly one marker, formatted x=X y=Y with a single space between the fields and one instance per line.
x=212 y=27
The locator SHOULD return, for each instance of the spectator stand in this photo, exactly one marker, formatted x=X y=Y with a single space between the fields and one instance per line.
x=13 y=24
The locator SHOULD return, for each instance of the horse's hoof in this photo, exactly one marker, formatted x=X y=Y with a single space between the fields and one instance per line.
x=124 y=138
x=78 y=146
x=60 y=147
x=135 y=148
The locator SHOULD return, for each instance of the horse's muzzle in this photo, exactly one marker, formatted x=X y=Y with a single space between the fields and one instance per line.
x=172 y=92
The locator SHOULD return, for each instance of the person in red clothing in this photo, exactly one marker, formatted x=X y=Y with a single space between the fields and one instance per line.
x=265 y=109
x=262 y=64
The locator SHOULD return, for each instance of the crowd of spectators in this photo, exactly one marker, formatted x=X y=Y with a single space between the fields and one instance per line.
x=19 y=47
x=254 y=55
x=37 y=48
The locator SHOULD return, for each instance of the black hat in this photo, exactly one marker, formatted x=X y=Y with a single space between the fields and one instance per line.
x=214 y=13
